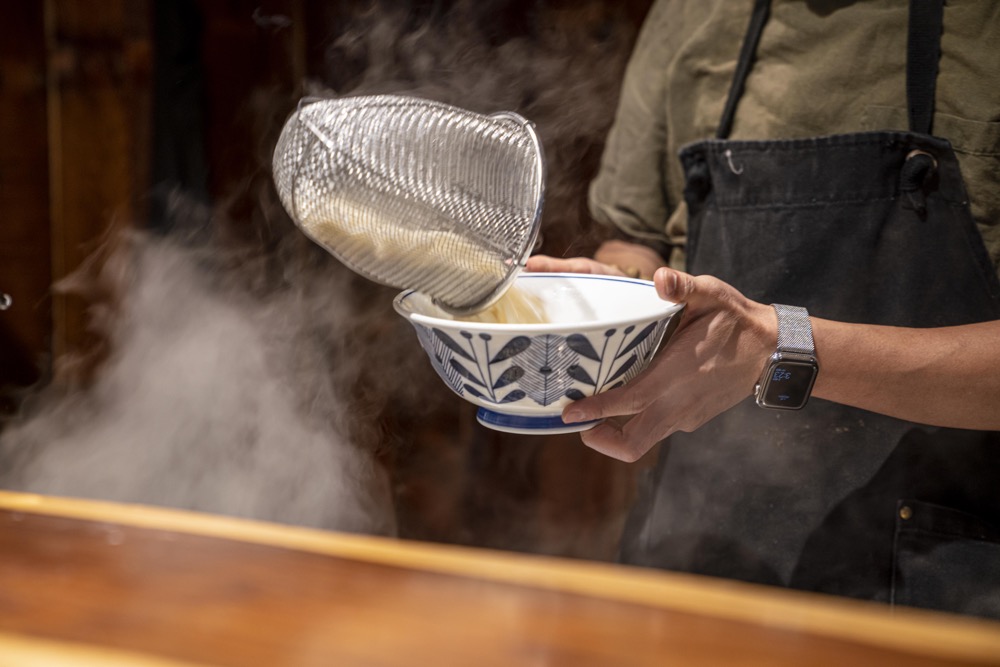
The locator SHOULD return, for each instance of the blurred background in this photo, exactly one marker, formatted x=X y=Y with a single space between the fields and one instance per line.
x=172 y=339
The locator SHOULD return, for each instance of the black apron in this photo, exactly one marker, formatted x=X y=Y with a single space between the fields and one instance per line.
x=873 y=228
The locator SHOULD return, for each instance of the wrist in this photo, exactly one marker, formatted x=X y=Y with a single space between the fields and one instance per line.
x=764 y=336
x=789 y=372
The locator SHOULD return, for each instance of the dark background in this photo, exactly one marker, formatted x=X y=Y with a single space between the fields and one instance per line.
x=115 y=115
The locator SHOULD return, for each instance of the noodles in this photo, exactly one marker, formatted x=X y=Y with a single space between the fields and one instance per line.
x=516 y=306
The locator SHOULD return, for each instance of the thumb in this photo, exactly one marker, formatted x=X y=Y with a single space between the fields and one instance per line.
x=676 y=286
x=699 y=293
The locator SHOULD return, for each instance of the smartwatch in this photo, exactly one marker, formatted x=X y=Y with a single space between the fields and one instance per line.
x=789 y=374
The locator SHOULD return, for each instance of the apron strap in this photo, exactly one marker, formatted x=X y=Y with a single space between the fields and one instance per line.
x=761 y=10
x=923 y=50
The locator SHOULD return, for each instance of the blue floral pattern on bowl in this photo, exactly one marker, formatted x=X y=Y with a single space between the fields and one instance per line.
x=604 y=332
x=545 y=368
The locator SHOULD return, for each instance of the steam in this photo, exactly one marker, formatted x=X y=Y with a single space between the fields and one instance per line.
x=560 y=69
x=246 y=372
x=201 y=405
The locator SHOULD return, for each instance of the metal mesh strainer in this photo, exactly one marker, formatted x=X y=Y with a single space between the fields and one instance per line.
x=414 y=193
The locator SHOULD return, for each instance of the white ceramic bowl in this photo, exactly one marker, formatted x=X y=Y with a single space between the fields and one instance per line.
x=600 y=332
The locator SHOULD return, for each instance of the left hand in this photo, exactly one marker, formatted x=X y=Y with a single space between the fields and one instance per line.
x=549 y=264
x=710 y=364
x=613 y=258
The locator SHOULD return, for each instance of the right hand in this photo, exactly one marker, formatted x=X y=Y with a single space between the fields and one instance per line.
x=709 y=365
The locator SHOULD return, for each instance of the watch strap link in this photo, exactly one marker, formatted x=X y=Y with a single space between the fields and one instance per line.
x=794 y=329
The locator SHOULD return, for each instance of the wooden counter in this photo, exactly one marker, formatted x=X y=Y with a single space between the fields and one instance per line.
x=88 y=583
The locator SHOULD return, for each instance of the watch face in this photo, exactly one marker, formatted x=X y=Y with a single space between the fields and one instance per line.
x=788 y=384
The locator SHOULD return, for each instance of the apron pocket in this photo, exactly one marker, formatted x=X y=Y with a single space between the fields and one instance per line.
x=945 y=560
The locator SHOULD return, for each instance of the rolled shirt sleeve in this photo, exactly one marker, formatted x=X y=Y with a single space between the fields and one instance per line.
x=629 y=190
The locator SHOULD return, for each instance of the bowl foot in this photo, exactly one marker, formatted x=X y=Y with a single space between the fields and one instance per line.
x=530 y=425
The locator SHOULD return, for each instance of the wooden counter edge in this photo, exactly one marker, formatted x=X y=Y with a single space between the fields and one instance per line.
x=910 y=631
x=25 y=651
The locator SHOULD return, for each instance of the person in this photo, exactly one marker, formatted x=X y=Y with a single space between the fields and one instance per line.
x=851 y=183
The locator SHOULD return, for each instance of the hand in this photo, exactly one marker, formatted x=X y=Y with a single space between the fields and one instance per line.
x=548 y=264
x=710 y=364
x=633 y=259
x=613 y=258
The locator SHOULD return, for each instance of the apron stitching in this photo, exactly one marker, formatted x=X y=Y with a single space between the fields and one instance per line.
x=889 y=139
x=826 y=203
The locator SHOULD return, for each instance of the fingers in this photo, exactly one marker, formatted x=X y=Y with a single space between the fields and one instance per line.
x=626 y=432
x=547 y=264
x=680 y=287
x=673 y=285
x=621 y=402
x=637 y=261
x=708 y=367
x=609 y=438
x=628 y=439
x=698 y=292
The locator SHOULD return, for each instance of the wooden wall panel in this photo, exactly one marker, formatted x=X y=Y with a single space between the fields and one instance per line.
x=24 y=224
x=99 y=64
x=252 y=65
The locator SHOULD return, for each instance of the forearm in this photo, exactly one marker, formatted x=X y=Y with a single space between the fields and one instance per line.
x=942 y=377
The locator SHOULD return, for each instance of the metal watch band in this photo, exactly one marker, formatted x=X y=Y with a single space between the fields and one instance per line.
x=794 y=329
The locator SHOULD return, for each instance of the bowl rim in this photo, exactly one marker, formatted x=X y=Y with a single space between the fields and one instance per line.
x=669 y=309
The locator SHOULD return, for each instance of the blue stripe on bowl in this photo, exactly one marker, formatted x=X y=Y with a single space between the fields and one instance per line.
x=522 y=424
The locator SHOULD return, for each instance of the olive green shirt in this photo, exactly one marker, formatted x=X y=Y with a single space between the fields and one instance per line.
x=822 y=67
